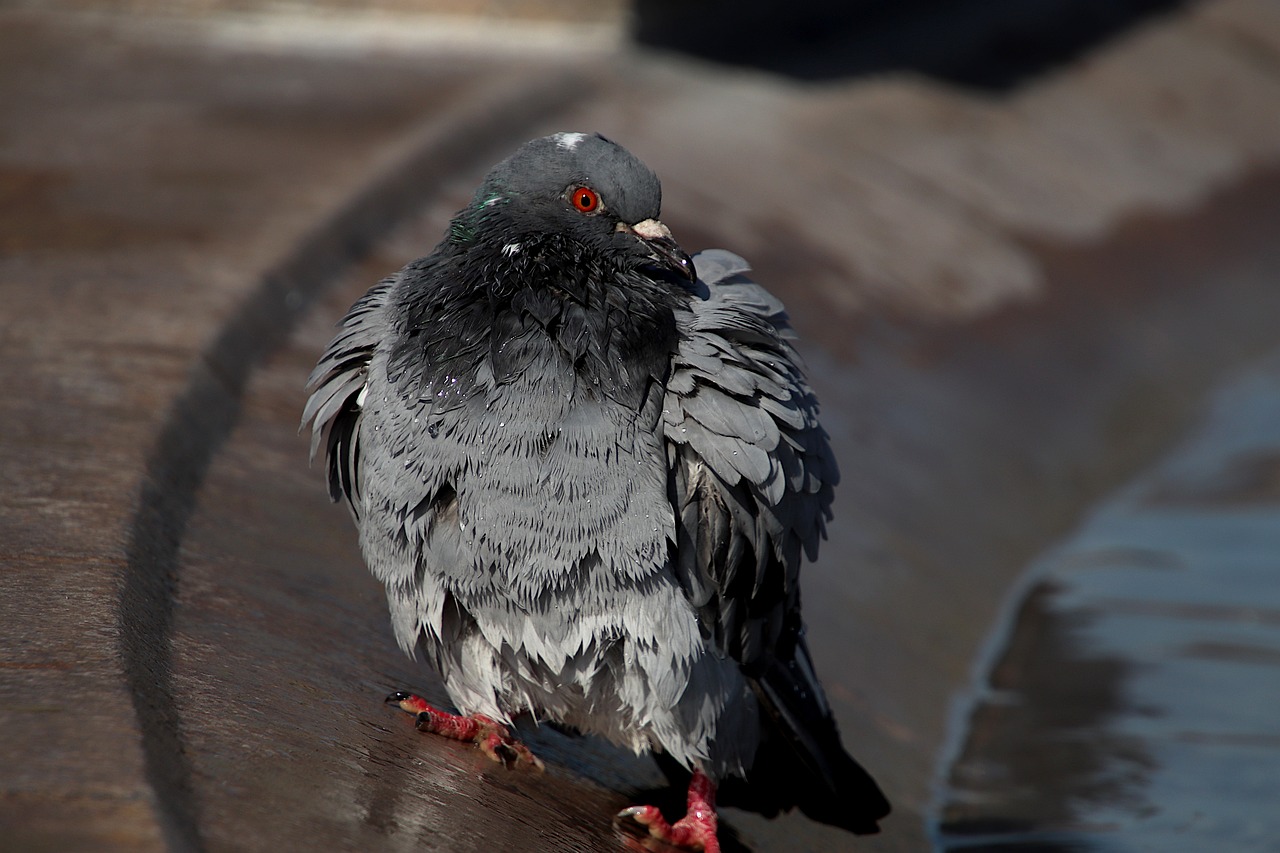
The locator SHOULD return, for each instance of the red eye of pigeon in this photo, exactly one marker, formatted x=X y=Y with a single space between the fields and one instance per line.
x=584 y=199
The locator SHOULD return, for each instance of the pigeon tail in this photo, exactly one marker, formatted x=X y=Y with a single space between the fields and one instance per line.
x=843 y=794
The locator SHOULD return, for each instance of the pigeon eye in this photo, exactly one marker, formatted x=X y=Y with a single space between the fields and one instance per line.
x=584 y=199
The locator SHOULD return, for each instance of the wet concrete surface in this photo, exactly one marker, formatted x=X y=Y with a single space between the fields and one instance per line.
x=1015 y=313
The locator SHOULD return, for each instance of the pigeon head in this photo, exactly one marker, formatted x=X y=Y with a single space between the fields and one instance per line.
x=574 y=198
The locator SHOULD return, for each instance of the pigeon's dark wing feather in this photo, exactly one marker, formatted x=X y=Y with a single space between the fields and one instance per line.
x=752 y=470
x=751 y=481
x=334 y=408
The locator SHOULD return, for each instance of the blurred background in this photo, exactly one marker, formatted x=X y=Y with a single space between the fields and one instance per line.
x=1032 y=251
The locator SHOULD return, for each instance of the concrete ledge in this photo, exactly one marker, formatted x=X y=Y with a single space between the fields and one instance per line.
x=1010 y=304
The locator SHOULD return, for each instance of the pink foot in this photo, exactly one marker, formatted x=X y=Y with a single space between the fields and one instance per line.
x=696 y=830
x=493 y=738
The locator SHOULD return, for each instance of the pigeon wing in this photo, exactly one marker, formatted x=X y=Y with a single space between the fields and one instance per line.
x=751 y=467
x=336 y=385
x=751 y=477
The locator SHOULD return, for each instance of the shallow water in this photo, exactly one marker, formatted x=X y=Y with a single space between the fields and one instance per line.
x=1133 y=700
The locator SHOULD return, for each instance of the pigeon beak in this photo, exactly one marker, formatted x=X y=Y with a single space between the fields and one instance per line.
x=665 y=250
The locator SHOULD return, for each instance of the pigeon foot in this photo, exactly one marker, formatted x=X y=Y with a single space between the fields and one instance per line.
x=494 y=739
x=696 y=830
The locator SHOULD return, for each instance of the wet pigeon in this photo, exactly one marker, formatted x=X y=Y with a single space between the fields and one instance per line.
x=587 y=474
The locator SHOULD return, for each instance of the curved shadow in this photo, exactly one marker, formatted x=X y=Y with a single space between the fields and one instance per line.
x=197 y=425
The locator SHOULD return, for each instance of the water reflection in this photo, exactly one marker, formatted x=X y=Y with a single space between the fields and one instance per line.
x=1041 y=754
x=1133 y=704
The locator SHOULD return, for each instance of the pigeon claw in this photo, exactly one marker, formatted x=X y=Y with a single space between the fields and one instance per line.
x=399 y=697
x=494 y=739
x=695 y=831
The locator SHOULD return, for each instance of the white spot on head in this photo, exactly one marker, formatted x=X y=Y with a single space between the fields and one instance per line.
x=491 y=202
x=569 y=141
x=511 y=249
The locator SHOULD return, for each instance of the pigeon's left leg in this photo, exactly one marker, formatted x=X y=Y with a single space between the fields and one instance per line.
x=696 y=830
x=493 y=738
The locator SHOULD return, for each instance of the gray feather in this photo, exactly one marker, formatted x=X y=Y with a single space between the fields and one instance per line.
x=336 y=383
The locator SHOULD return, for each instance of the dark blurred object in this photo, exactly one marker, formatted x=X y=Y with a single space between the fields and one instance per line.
x=986 y=44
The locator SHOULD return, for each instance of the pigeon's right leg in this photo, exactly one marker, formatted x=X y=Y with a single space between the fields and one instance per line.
x=696 y=830
x=493 y=738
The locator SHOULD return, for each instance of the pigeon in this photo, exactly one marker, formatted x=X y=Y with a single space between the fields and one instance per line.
x=587 y=466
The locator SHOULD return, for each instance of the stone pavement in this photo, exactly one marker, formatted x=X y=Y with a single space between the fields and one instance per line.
x=1011 y=303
